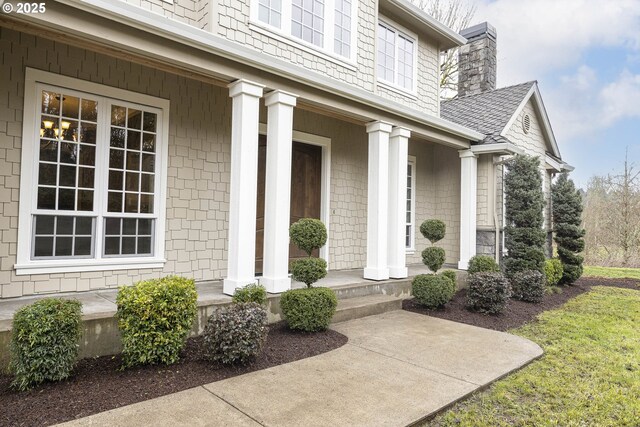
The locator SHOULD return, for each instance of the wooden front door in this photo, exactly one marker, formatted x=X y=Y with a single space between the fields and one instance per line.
x=306 y=175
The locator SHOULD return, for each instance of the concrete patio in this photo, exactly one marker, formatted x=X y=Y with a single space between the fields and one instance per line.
x=397 y=369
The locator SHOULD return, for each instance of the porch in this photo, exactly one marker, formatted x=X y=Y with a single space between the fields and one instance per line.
x=357 y=298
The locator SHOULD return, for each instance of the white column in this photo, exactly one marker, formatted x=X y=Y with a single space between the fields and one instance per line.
x=277 y=200
x=377 y=200
x=244 y=183
x=468 y=203
x=398 y=158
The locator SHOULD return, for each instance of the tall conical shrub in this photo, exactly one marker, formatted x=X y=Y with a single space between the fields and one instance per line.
x=524 y=205
x=568 y=233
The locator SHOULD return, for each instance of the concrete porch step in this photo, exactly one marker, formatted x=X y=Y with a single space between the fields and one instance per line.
x=355 y=308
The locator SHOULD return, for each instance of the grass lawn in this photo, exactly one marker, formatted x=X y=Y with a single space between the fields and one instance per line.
x=589 y=375
x=612 y=272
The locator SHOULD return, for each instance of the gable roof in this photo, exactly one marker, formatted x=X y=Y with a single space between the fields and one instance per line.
x=492 y=113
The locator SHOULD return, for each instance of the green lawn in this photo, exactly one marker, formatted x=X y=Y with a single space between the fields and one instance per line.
x=612 y=272
x=589 y=375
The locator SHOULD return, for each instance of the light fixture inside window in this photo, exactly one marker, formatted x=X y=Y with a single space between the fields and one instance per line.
x=48 y=124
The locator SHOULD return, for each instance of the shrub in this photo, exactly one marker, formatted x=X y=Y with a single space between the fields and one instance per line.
x=433 y=229
x=451 y=275
x=432 y=290
x=488 y=292
x=482 y=263
x=44 y=341
x=250 y=293
x=528 y=285
x=553 y=271
x=308 y=270
x=308 y=234
x=433 y=257
x=524 y=202
x=309 y=309
x=154 y=318
x=567 y=226
x=235 y=333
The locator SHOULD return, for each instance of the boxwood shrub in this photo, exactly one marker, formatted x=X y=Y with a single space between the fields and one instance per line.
x=250 y=293
x=433 y=229
x=154 y=318
x=528 y=285
x=488 y=292
x=451 y=275
x=235 y=333
x=432 y=290
x=44 y=341
x=482 y=263
x=433 y=257
x=309 y=309
x=308 y=270
x=553 y=271
x=308 y=234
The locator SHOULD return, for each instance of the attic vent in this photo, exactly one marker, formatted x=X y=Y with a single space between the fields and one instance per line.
x=526 y=123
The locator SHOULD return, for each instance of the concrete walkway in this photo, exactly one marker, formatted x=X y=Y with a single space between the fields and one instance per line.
x=396 y=369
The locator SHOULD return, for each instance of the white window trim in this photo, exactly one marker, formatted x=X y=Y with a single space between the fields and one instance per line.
x=325 y=179
x=283 y=34
x=393 y=86
x=412 y=248
x=28 y=180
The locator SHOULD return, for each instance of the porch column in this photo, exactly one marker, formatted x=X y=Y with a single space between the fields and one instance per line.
x=241 y=252
x=277 y=200
x=468 y=203
x=377 y=201
x=398 y=158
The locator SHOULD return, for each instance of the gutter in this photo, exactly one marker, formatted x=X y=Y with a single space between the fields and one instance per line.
x=187 y=35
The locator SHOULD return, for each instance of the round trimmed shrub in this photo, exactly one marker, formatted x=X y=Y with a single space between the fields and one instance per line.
x=482 y=263
x=451 y=275
x=433 y=229
x=308 y=270
x=488 y=292
x=154 y=319
x=553 y=271
x=432 y=290
x=528 y=285
x=309 y=309
x=433 y=257
x=44 y=341
x=235 y=333
x=250 y=293
x=308 y=234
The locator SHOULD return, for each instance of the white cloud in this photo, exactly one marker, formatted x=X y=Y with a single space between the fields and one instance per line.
x=537 y=36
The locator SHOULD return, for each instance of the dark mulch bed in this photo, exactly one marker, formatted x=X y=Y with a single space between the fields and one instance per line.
x=517 y=313
x=97 y=385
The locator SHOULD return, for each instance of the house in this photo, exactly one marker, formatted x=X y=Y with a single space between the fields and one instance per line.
x=142 y=138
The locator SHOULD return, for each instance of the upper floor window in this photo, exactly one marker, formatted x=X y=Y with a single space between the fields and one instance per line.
x=325 y=24
x=396 y=57
x=98 y=164
x=270 y=12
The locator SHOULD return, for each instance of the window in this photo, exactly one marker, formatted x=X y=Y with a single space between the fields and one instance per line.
x=411 y=201
x=396 y=57
x=270 y=12
x=342 y=29
x=98 y=163
x=326 y=25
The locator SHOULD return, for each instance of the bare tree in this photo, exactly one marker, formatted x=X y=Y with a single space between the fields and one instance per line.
x=457 y=15
x=626 y=213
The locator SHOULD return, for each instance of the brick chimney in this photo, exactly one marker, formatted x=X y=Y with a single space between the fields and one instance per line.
x=477 y=60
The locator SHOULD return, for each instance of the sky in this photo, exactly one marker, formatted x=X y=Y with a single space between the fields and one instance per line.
x=585 y=55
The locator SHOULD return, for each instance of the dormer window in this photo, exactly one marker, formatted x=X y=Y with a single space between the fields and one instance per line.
x=396 y=56
x=325 y=25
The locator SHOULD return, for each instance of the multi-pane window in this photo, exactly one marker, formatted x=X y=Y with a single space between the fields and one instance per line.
x=342 y=28
x=307 y=21
x=323 y=25
x=270 y=12
x=410 y=203
x=96 y=181
x=396 y=57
